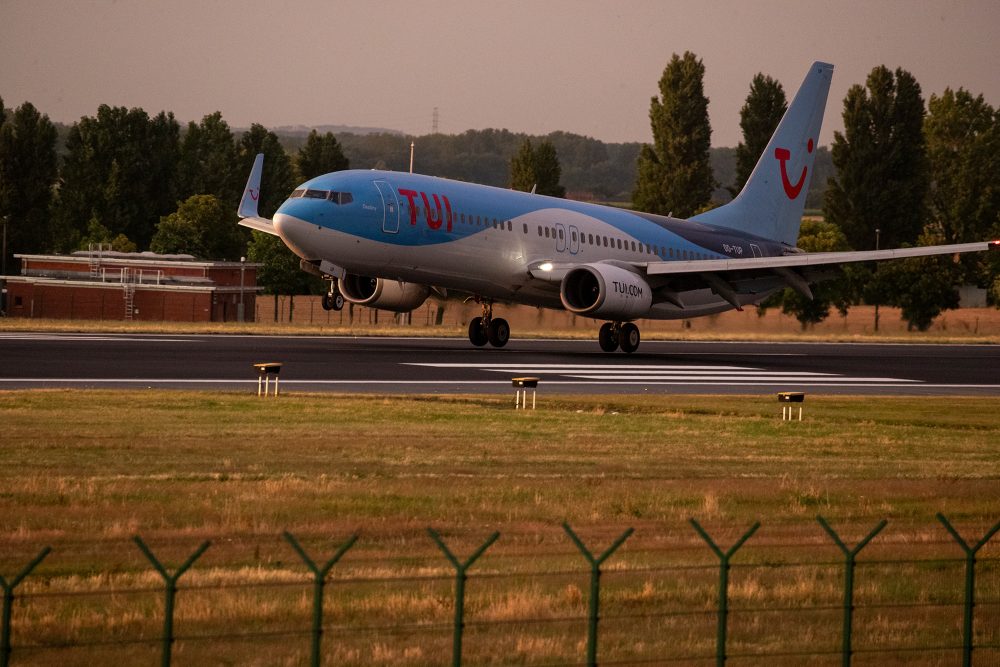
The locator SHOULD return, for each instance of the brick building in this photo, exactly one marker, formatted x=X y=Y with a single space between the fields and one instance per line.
x=106 y=285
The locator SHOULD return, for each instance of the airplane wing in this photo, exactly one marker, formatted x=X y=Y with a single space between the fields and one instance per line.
x=738 y=280
x=248 y=203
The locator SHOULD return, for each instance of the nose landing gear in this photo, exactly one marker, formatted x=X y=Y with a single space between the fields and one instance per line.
x=619 y=334
x=488 y=329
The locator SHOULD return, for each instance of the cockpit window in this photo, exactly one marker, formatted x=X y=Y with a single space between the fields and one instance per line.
x=338 y=198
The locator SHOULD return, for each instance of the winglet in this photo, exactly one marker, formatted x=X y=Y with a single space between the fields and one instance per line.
x=248 y=204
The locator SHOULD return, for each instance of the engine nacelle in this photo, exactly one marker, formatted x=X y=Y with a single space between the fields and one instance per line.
x=391 y=295
x=605 y=291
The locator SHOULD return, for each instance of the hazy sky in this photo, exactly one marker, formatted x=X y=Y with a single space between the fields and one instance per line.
x=584 y=67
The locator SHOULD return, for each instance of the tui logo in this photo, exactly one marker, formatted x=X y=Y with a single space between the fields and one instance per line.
x=253 y=193
x=782 y=155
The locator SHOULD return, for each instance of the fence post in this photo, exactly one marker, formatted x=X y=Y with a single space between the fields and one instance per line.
x=593 y=615
x=8 y=603
x=724 y=557
x=319 y=581
x=849 y=563
x=970 y=583
x=460 y=577
x=170 y=592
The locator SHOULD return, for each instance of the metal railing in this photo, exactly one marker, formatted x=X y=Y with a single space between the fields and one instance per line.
x=321 y=573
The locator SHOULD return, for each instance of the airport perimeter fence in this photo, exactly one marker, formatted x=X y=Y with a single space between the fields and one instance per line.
x=972 y=637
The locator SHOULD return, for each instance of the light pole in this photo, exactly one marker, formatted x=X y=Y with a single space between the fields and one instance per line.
x=239 y=309
x=878 y=232
x=3 y=263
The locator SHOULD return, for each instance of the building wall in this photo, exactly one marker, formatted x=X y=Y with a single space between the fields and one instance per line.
x=86 y=303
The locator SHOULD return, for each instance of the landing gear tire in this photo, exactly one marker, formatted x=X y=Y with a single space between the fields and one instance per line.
x=628 y=338
x=477 y=332
x=498 y=333
x=333 y=301
x=608 y=337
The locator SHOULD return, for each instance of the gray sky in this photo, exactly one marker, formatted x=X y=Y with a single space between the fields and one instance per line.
x=584 y=67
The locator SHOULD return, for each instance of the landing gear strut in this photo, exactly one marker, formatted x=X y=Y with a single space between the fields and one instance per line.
x=488 y=329
x=619 y=334
x=333 y=299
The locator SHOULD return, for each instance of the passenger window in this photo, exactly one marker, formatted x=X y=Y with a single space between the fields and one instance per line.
x=573 y=235
x=539 y=230
x=671 y=252
x=591 y=239
x=619 y=244
x=560 y=235
x=605 y=238
x=462 y=216
x=510 y=226
x=525 y=227
x=546 y=232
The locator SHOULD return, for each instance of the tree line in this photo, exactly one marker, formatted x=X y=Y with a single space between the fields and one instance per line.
x=902 y=172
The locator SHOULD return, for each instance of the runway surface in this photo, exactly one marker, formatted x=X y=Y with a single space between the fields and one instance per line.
x=452 y=365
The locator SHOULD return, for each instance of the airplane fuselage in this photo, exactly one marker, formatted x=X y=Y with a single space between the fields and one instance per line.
x=479 y=239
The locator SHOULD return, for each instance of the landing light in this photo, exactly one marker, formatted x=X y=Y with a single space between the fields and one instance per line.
x=545 y=266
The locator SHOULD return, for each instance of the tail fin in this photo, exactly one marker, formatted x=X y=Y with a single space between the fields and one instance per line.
x=773 y=199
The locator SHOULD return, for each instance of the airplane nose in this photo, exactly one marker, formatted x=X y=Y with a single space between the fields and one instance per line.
x=293 y=232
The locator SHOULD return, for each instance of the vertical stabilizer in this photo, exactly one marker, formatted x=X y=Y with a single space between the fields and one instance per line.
x=773 y=200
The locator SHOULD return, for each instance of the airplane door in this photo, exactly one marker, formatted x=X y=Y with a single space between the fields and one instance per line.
x=560 y=237
x=574 y=240
x=390 y=207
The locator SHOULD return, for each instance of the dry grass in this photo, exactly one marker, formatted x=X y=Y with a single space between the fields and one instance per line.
x=84 y=471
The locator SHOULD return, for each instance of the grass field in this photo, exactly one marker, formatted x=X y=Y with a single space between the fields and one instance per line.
x=84 y=471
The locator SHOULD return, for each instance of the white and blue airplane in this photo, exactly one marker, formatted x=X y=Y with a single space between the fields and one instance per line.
x=389 y=240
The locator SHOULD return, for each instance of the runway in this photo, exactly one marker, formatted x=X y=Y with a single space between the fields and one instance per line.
x=452 y=365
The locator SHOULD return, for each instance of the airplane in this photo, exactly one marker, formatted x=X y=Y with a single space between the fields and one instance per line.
x=389 y=240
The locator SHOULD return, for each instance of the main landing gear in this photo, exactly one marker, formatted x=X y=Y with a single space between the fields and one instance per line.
x=333 y=299
x=619 y=334
x=488 y=329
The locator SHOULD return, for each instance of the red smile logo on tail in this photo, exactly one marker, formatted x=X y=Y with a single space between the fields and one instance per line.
x=782 y=155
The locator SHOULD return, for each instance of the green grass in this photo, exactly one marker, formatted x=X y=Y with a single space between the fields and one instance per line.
x=83 y=471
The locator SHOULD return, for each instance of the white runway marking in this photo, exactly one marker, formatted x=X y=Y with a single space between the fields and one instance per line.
x=100 y=338
x=676 y=373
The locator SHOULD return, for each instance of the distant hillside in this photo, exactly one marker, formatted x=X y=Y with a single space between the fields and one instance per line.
x=303 y=130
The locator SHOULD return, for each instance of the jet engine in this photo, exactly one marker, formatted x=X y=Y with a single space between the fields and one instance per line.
x=605 y=291
x=393 y=295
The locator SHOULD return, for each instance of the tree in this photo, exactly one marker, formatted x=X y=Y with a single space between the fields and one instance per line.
x=120 y=168
x=881 y=163
x=522 y=168
x=27 y=173
x=98 y=233
x=208 y=162
x=674 y=174
x=759 y=117
x=278 y=177
x=320 y=155
x=839 y=292
x=963 y=152
x=280 y=273
x=922 y=287
x=201 y=226
x=538 y=168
